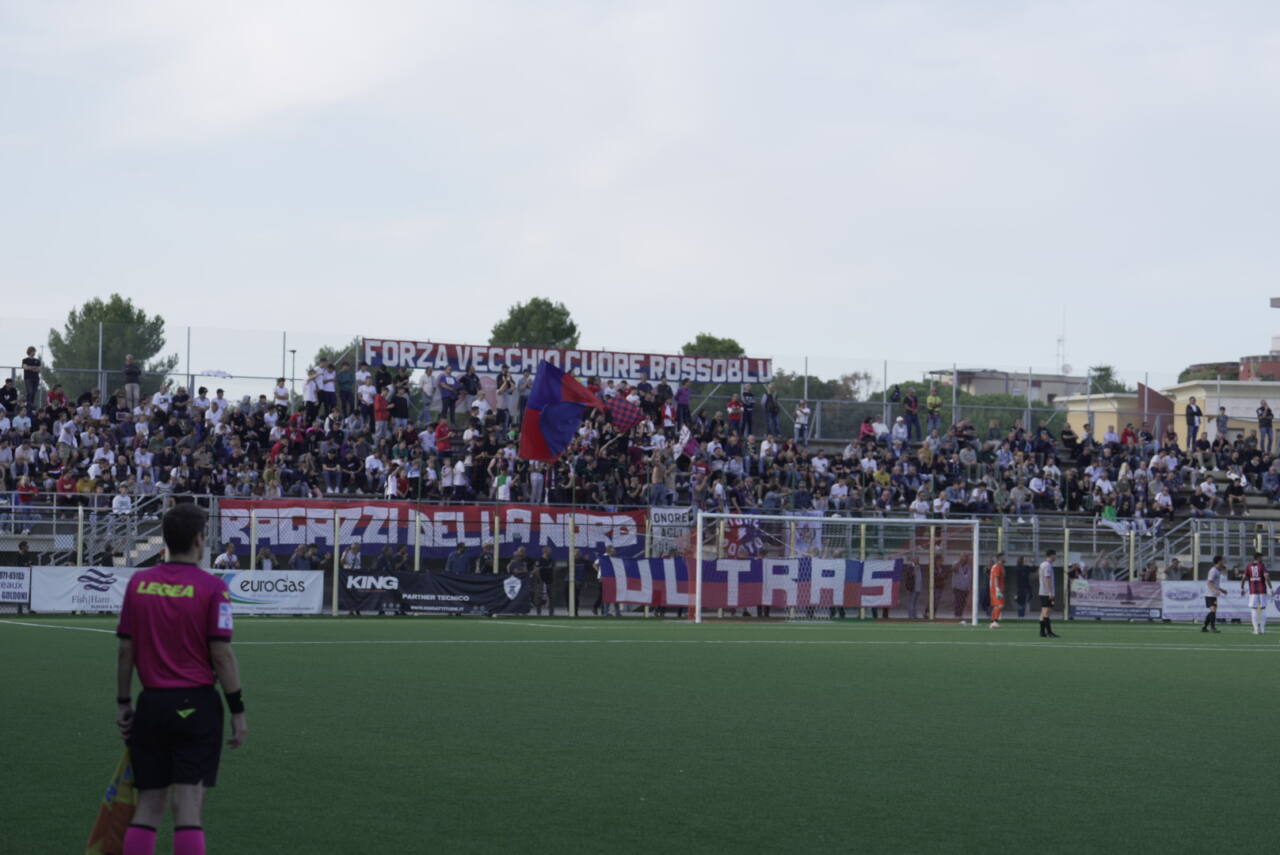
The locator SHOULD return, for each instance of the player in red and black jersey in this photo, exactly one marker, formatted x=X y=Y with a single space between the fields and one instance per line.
x=1259 y=585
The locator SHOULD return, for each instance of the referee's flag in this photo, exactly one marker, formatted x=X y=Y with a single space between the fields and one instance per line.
x=116 y=811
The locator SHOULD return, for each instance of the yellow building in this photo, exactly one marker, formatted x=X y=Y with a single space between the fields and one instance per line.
x=1240 y=398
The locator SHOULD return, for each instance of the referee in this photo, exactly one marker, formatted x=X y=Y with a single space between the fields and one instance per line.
x=175 y=628
x=1046 y=594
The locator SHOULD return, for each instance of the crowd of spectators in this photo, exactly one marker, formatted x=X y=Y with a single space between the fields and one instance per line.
x=446 y=436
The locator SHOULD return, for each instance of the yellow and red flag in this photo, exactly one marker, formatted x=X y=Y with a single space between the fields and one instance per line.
x=116 y=811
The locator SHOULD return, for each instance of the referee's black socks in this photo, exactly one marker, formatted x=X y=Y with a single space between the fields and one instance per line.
x=1044 y=627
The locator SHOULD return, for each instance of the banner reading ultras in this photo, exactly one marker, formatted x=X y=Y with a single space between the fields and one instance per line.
x=605 y=364
x=373 y=525
x=734 y=583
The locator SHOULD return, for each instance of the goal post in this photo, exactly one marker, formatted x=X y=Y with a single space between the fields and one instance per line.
x=820 y=566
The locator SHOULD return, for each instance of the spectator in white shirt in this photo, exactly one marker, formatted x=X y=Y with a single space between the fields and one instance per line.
x=427 y=388
x=280 y=394
x=899 y=431
x=121 y=503
x=802 y=423
x=227 y=559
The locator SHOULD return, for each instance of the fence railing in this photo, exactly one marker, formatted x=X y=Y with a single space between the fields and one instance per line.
x=412 y=533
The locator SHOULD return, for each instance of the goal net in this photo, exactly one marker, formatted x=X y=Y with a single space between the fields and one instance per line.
x=816 y=568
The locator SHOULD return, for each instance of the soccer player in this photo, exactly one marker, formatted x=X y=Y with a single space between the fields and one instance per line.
x=1212 y=590
x=1259 y=583
x=175 y=628
x=1046 y=594
x=995 y=587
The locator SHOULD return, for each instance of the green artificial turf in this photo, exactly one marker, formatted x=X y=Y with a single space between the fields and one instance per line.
x=550 y=735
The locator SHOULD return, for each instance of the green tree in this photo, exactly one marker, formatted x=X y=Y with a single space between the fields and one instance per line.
x=1211 y=371
x=1105 y=380
x=537 y=323
x=707 y=344
x=126 y=329
x=337 y=353
x=847 y=387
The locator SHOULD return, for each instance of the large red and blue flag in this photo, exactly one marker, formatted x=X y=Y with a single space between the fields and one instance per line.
x=557 y=403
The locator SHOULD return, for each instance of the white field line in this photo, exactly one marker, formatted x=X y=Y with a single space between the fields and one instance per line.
x=1101 y=645
x=58 y=626
x=775 y=642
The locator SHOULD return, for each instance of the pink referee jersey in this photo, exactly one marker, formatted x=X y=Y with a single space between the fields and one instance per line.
x=172 y=612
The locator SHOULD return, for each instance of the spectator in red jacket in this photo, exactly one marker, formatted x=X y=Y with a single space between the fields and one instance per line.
x=381 y=413
x=444 y=439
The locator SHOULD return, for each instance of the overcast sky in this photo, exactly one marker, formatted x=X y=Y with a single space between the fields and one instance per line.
x=920 y=181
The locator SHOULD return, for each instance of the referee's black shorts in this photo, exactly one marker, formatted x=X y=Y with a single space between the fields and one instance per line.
x=176 y=737
x=1210 y=602
x=1046 y=602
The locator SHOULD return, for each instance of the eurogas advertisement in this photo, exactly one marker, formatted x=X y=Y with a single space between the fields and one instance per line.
x=276 y=592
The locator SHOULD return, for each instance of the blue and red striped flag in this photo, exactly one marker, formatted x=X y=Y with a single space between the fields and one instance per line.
x=557 y=403
x=623 y=414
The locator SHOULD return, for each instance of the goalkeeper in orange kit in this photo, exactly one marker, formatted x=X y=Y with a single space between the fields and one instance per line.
x=997 y=590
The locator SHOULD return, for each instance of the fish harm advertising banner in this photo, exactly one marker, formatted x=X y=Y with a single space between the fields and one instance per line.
x=605 y=364
x=283 y=524
x=79 y=589
x=1108 y=600
x=739 y=583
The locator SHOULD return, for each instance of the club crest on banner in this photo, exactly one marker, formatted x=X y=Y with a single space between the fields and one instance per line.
x=511 y=587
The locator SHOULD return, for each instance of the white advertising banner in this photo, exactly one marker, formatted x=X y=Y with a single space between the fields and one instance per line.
x=1185 y=601
x=669 y=529
x=276 y=592
x=79 y=589
x=101 y=589
x=15 y=584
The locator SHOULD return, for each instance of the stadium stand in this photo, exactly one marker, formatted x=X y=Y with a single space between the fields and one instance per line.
x=398 y=438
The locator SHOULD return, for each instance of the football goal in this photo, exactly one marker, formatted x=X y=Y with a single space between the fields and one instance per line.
x=814 y=568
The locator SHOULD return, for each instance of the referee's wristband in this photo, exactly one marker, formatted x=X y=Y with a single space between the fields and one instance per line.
x=125 y=701
x=235 y=701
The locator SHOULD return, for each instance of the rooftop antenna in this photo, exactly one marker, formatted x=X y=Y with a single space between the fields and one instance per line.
x=1061 y=360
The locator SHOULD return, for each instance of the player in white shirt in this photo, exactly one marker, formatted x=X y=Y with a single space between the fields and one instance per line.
x=1046 y=594
x=1212 y=590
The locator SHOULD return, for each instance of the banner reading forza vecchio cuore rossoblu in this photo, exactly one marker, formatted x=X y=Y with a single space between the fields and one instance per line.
x=605 y=364
x=284 y=524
